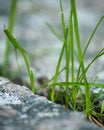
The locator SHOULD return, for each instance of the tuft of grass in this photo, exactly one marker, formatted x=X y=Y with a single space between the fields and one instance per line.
x=23 y=52
x=73 y=50
x=11 y=22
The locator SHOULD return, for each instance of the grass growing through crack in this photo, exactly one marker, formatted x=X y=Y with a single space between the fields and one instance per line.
x=69 y=51
x=73 y=50
x=69 y=46
x=23 y=52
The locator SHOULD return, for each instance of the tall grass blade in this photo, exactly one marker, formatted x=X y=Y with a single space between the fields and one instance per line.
x=61 y=53
x=71 y=33
x=80 y=55
x=92 y=35
x=57 y=72
x=85 y=50
x=10 y=28
x=67 y=54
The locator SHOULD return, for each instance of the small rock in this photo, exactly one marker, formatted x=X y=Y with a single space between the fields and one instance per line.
x=42 y=79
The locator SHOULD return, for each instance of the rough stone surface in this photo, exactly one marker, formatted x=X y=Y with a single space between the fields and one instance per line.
x=37 y=113
x=20 y=108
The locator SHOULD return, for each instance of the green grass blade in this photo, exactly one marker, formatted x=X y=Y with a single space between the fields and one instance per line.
x=23 y=52
x=61 y=84
x=67 y=47
x=88 y=43
x=102 y=107
x=27 y=63
x=101 y=53
x=92 y=35
x=74 y=88
x=10 y=28
x=30 y=73
x=57 y=71
x=16 y=55
x=61 y=53
x=54 y=32
x=80 y=55
x=72 y=46
x=32 y=78
x=67 y=54
x=14 y=41
x=62 y=18
x=76 y=31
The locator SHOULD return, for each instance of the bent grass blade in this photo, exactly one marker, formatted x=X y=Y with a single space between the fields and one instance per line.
x=23 y=52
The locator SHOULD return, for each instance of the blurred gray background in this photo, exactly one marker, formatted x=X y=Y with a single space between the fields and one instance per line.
x=43 y=47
